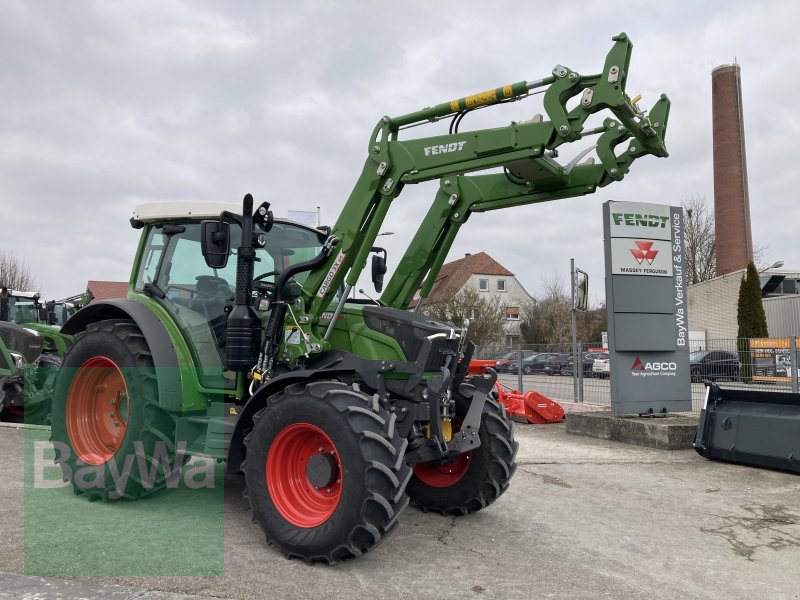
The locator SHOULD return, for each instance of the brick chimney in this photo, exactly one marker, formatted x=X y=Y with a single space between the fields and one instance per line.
x=731 y=197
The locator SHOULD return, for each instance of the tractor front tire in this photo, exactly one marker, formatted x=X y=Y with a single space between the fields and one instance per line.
x=111 y=438
x=325 y=471
x=475 y=479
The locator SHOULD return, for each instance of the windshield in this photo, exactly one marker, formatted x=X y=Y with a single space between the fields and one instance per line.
x=23 y=310
x=196 y=294
x=697 y=355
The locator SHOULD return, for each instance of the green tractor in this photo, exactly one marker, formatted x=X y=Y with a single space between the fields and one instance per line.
x=32 y=348
x=239 y=340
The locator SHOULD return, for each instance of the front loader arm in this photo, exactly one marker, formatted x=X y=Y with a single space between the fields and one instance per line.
x=524 y=150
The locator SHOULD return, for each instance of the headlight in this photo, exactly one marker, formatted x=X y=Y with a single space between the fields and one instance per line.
x=19 y=360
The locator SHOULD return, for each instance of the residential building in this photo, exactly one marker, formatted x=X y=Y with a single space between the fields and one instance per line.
x=490 y=279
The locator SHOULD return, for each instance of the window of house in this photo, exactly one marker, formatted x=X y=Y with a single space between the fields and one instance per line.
x=512 y=313
x=483 y=285
x=501 y=285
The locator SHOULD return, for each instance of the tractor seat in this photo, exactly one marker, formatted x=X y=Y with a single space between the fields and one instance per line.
x=212 y=294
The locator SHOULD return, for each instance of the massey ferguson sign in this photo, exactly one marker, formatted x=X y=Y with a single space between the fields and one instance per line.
x=646 y=300
x=641 y=257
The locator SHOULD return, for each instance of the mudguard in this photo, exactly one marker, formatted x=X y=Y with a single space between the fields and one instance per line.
x=165 y=358
x=750 y=427
x=257 y=401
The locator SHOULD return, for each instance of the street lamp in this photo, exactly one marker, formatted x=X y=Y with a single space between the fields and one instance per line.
x=777 y=265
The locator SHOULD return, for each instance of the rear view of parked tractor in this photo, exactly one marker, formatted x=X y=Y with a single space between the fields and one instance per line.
x=239 y=339
x=31 y=349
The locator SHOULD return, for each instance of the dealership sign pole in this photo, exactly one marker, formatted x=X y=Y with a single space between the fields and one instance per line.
x=648 y=337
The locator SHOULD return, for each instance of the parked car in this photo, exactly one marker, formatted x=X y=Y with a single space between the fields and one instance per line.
x=512 y=365
x=504 y=360
x=602 y=365
x=588 y=363
x=713 y=364
x=557 y=364
x=536 y=363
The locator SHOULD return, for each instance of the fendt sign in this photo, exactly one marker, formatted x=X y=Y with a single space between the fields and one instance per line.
x=646 y=301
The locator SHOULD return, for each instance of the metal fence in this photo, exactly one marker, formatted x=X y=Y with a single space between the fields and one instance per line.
x=757 y=364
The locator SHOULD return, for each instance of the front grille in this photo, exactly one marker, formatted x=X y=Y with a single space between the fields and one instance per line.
x=441 y=349
x=410 y=330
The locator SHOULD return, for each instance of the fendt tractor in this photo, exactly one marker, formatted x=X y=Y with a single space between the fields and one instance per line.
x=31 y=349
x=239 y=340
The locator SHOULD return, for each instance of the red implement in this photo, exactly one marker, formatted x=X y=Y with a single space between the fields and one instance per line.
x=530 y=407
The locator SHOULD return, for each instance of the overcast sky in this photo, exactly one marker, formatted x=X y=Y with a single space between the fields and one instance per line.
x=107 y=105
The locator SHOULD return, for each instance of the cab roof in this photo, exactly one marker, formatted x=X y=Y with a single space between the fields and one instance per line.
x=19 y=294
x=159 y=211
x=154 y=212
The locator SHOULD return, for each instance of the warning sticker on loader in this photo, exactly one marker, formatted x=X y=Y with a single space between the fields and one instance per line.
x=326 y=283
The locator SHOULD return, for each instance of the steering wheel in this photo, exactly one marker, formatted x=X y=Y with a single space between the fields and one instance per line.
x=263 y=275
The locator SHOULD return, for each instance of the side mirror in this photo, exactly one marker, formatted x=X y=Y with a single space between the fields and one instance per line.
x=215 y=243
x=378 y=269
x=581 y=290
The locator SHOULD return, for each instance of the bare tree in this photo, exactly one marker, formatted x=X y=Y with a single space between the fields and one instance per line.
x=486 y=316
x=14 y=273
x=701 y=245
x=760 y=258
x=548 y=319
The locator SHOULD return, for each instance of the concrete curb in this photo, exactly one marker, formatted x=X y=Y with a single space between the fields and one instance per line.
x=669 y=432
x=23 y=586
x=25 y=426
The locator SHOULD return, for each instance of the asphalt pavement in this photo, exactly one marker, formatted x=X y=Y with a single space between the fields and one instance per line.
x=583 y=518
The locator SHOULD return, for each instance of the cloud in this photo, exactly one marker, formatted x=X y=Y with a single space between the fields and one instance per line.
x=107 y=105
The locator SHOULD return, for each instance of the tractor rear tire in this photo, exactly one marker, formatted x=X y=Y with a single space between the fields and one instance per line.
x=475 y=479
x=325 y=471
x=106 y=422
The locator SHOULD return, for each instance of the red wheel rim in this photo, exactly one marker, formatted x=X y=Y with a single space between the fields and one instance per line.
x=17 y=411
x=301 y=501
x=444 y=475
x=97 y=410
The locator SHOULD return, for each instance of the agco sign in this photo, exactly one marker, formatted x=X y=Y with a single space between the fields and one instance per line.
x=648 y=369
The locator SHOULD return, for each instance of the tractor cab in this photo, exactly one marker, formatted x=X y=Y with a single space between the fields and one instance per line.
x=172 y=271
x=21 y=307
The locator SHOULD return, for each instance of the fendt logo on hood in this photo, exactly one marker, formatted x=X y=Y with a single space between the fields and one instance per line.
x=646 y=369
x=644 y=252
